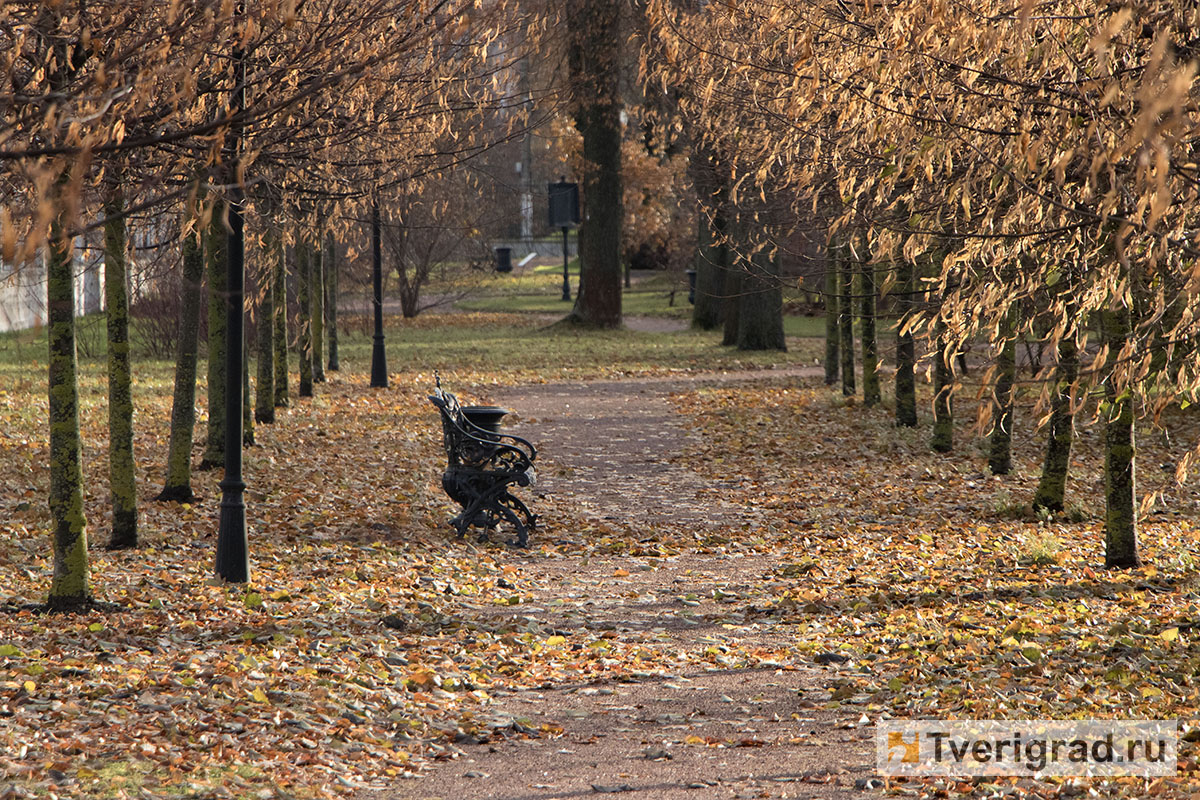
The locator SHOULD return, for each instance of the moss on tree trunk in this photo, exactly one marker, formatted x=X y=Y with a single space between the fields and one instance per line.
x=1052 y=486
x=846 y=319
x=178 y=485
x=1000 y=444
x=70 y=584
x=121 y=478
x=1120 y=514
x=216 y=254
x=906 y=351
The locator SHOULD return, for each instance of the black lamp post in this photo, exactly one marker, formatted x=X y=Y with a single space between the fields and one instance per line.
x=564 y=213
x=233 y=556
x=379 y=376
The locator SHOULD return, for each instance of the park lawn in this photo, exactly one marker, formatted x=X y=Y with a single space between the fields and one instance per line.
x=291 y=685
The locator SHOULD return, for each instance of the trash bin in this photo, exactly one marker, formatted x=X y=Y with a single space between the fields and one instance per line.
x=691 y=273
x=503 y=259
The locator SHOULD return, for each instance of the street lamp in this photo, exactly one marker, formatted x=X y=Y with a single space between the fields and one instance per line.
x=564 y=213
x=379 y=377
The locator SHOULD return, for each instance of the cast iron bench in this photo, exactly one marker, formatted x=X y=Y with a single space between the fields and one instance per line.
x=482 y=465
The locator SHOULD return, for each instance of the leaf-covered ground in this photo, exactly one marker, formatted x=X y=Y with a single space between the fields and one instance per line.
x=369 y=646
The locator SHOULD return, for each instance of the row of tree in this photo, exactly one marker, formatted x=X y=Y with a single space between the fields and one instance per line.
x=1026 y=171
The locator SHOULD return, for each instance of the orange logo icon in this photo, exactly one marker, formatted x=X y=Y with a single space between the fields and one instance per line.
x=907 y=752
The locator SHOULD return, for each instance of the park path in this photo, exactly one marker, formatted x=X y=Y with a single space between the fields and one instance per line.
x=611 y=448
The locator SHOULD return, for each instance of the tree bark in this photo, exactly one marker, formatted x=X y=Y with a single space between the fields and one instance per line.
x=846 y=320
x=121 y=477
x=1000 y=445
x=247 y=406
x=595 y=77
x=712 y=256
x=70 y=585
x=279 y=332
x=906 y=351
x=760 y=318
x=317 y=292
x=942 y=440
x=870 y=346
x=304 y=300
x=732 y=302
x=1052 y=486
x=1120 y=516
x=331 y=303
x=832 y=331
x=264 y=377
x=178 y=485
x=216 y=254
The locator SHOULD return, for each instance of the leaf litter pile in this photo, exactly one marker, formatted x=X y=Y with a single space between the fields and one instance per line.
x=369 y=644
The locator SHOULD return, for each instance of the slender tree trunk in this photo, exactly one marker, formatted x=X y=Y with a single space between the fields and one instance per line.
x=942 y=440
x=832 y=331
x=1000 y=450
x=906 y=351
x=247 y=406
x=594 y=61
x=317 y=290
x=1120 y=517
x=760 y=318
x=870 y=346
x=121 y=477
x=331 y=303
x=70 y=585
x=304 y=299
x=264 y=376
x=216 y=253
x=178 y=487
x=280 y=326
x=846 y=320
x=1052 y=487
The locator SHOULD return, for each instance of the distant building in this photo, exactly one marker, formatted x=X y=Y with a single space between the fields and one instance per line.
x=23 y=291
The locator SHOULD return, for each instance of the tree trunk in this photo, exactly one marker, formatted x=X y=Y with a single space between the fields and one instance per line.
x=906 y=351
x=216 y=254
x=304 y=320
x=832 y=331
x=69 y=586
x=1052 y=487
x=870 y=347
x=317 y=292
x=846 y=320
x=121 y=477
x=264 y=378
x=760 y=318
x=1120 y=516
x=712 y=256
x=1000 y=446
x=247 y=407
x=732 y=302
x=279 y=332
x=331 y=303
x=178 y=486
x=594 y=62
x=942 y=440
